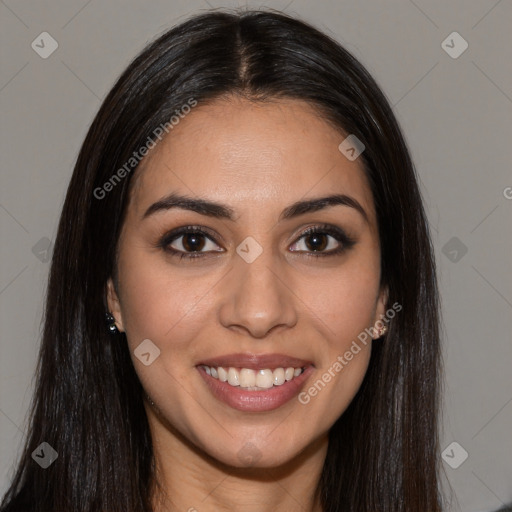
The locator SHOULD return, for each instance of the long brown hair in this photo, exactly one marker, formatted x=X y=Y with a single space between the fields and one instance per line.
x=383 y=450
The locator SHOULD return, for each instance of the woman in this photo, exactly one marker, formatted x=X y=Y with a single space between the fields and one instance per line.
x=245 y=211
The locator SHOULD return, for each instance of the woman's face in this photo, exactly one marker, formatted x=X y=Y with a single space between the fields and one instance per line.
x=248 y=292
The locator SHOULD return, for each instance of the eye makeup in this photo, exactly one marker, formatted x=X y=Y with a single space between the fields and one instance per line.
x=193 y=233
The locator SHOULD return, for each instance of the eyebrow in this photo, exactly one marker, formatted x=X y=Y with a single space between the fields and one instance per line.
x=221 y=211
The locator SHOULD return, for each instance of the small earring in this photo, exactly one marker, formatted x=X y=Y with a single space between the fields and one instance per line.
x=383 y=330
x=111 y=323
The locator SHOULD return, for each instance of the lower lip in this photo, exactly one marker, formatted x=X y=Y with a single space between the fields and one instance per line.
x=255 y=401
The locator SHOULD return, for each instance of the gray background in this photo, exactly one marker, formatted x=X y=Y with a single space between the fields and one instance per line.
x=456 y=115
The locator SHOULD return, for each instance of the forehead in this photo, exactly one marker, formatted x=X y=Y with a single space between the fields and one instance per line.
x=248 y=154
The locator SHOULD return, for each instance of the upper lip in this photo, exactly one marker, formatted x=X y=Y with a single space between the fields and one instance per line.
x=255 y=361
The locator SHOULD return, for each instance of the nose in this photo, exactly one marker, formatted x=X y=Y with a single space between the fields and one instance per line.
x=258 y=297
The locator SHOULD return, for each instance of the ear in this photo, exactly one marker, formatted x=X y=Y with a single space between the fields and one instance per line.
x=114 y=306
x=380 y=310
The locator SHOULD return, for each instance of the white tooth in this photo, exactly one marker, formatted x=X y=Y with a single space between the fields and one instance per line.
x=233 y=377
x=288 y=374
x=207 y=370
x=297 y=372
x=279 y=378
x=223 y=374
x=214 y=373
x=247 y=378
x=264 y=379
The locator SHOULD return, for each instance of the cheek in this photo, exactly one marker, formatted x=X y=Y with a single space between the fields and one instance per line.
x=343 y=306
x=161 y=302
x=344 y=300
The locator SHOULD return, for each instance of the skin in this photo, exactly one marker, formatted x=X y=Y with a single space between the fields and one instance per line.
x=258 y=158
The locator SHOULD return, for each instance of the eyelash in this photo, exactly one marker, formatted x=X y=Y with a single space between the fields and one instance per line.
x=338 y=234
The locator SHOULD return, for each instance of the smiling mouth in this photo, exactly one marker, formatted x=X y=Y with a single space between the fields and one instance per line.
x=255 y=383
x=253 y=380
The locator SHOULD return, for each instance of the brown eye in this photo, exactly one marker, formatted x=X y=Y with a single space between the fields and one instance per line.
x=324 y=240
x=188 y=242
x=193 y=242
x=317 y=241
